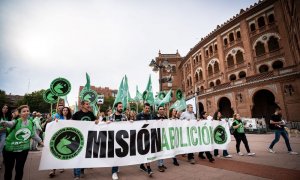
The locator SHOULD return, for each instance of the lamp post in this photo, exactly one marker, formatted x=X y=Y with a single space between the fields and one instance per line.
x=158 y=67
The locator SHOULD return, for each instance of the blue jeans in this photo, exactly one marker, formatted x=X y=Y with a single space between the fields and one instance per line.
x=114 y=169
x=277 y=137
x=216 y=152
x=77 y=172
x=2 y=141
x=160 y=162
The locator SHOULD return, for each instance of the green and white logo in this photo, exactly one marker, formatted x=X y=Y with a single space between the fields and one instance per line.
x=49 y=97
x=220 y=136
x=66 y=143
x=60 y=87
x=23 y=134
x=89 y=95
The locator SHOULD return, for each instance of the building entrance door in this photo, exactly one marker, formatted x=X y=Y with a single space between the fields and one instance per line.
x=225 y=107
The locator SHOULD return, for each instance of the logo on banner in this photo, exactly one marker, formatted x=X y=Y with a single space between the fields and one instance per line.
x=220 y=136
x=66 y=143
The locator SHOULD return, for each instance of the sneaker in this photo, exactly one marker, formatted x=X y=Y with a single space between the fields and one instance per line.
x=142 y=168
x=62 y=170
x=292 y=153
x=161 y=169
x=228 y=156
x=251 y=154
x=115 y=176
x=192 y=161
x=218 y=156
x=76 y=178
x=271 y=150
x=176 y=163
x=241 y=154
x=164 y=167
x=52 y=174
x=149 y=171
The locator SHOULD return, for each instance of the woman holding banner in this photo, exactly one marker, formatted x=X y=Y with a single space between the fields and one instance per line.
x=218 y=116
x=239 y=135
x=18 y=143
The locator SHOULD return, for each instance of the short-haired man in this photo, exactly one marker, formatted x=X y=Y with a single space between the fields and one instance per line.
x=277 y=124
x=189 y=115
x=161 y=116
x=145 y=115
x=117 y=116
x=83 y=115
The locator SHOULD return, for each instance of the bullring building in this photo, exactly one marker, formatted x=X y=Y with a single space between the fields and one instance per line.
x=249 y=64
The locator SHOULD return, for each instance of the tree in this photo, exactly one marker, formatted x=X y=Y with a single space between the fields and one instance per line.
x=36 y=102
x=3 y=98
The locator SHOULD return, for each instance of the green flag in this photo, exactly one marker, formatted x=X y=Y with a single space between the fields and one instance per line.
x=76 y=107
x=126 y=95
x=88 y=82
x=179 y=105
x=149 y=97
x=166 y=99
x=119 y=96
x=95 y=109
x=138 y=96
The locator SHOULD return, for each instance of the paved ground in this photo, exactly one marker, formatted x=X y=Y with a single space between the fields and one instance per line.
x=264 y=165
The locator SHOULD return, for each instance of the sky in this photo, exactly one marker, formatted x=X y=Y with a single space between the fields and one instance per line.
x=44 y=40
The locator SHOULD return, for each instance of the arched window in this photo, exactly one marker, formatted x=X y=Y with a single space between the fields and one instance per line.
x=242 y=74
x=187 y=83
x=218 y=82
x=216 y=67
x=271 y=18
x=252 y=27
x=197 y=59
x=216 y=47
x=211 y=84
x=273 y=44
x=200 y=75
x=225 y=42
x=238 y=35
x=202 y=88
x=206 y=52
x=210 y=71
x=239 y=57
x=261 y=22
x=196 y=76
x=232 y=77
x=230 y=61
x=277 y=64
x=231 y=37
x=210 y=50
x=263 y=68
x=200 y=57
x=260 y=49
x=191 y=81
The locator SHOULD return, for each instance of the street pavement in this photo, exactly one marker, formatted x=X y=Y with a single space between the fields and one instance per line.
x=264 y=165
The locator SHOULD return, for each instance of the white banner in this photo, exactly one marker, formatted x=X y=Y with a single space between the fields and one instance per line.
x=83 y=144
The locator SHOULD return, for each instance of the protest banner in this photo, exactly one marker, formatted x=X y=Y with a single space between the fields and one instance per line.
x=83 y=144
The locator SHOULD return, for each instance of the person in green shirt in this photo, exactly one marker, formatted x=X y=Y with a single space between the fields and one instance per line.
x=239 y=135
x=17 y=143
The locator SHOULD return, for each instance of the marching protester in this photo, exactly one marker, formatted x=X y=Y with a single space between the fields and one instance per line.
x=189 y=115
x=145 y=115
x=218 y=116
x=161 y=116
x=67 y=115
x=83 y=115
x=174 y=116
x=277 y=124
x=18 y=143
x=37 y=123
x=117 y=117
x=4 y=116
x=204 y=116
x=58 y=114
x=239 y=135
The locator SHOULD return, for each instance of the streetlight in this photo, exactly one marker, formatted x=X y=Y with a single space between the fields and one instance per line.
x=157 y=67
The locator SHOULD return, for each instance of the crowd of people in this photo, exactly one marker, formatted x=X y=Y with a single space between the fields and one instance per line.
x=15 y=150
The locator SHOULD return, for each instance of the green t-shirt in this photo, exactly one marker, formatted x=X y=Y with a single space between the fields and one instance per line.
x=19 y=137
